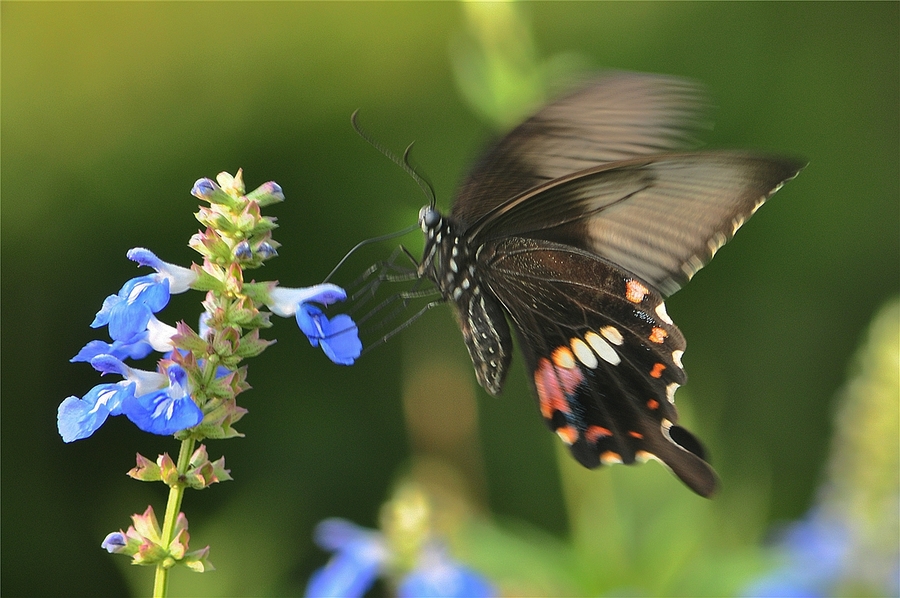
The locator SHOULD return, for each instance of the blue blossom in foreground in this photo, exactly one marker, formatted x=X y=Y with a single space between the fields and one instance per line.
x=437 y=576
x=361 y=555
x=814 y=552
x=338 y=336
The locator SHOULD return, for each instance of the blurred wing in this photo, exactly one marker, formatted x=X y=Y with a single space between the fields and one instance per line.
x=660 y=217
x=604 y=359
x=619 y=116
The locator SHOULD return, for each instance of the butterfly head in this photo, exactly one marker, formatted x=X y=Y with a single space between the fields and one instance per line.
x=429 y=219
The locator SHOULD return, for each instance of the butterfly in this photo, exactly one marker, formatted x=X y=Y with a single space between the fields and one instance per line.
x=571 y=232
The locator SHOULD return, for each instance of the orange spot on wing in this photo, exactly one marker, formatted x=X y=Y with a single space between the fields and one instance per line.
x=594 y=433
x=634 y=434
x=657 y=370
x=563 y=357
x=658 y=335
x=553 y=384
x=610 y=457
x=635 y=291
x=653 y=404
x=568 y=434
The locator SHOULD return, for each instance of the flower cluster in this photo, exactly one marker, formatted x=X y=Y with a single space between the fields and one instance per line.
x=143 y=543
x=406 y=554
x=197 y=376
x=192 y=392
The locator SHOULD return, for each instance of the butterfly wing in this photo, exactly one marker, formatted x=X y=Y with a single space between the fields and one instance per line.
x=604 y=358
x=660 y=217
x=618 y=116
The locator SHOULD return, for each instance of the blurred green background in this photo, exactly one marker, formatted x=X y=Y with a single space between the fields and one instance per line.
x=110 y=112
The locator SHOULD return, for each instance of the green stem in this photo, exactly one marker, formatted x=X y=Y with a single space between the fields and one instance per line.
x=173 y=507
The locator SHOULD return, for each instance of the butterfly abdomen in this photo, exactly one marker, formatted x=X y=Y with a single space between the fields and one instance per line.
x=450 y=263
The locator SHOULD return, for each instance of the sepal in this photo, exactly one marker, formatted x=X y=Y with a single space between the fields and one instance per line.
x=145 y=470
x=204 y=472
x=251 y=345
x=198 y=561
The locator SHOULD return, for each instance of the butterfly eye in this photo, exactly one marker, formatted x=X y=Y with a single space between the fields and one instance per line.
x=429 y=218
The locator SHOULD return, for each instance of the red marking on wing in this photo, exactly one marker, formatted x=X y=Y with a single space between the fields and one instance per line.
x=634 y=434
x=657 y=370
x=653 y=404
x=553 y=384
x=594 y=433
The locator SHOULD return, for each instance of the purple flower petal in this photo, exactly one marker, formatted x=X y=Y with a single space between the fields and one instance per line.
x=114 y=542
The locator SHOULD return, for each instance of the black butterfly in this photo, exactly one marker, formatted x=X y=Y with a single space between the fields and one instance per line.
x=575 y=227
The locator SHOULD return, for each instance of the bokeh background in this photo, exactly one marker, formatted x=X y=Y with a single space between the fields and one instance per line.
x=110 y=112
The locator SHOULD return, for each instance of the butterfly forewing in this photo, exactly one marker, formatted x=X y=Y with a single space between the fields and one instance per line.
x=616 y=117
x=661 y=217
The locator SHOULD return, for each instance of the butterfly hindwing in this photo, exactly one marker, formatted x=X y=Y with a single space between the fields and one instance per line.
x=604 y=357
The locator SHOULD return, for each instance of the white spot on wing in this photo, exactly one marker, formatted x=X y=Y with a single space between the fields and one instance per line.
x=602 y=348
x=670 y=392
x=676 y=357
x=661 y=312
x=584 y=353
x=612 y=334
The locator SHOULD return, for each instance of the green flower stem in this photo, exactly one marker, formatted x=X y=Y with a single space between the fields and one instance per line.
x=173 y=507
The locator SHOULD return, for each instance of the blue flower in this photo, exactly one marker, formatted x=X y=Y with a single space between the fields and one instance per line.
x=338 y=336
x=814 y=551
x=160 y=403
x=437 y=576
x=180 y=278
x=155 y=402
x=79 y=418
x=114 y=542
x=204 y=188
x=156 y=336
x=128 y=312
x=362 y=554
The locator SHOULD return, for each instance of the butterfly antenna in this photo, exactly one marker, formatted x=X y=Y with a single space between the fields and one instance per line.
x=403 y=162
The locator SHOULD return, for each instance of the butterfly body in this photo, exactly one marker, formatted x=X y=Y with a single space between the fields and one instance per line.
x=574 y=231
